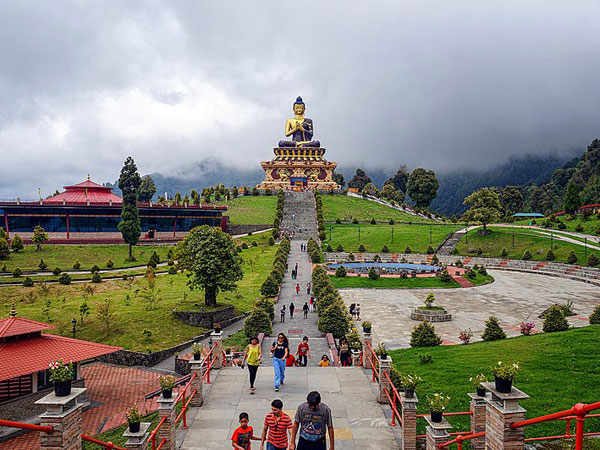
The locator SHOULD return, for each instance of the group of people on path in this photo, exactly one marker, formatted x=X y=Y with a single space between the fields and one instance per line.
x=354 y=311
x=312 y=424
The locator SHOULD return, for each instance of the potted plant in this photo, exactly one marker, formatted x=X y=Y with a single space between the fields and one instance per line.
x=437 y=405
x=217 y=326
x=409 y=383
x=61 y=375
x=504 y=375
x=366 y=326
x=382 y=350
x=476 y=381
x=197 y=351
x=133 y=419
x=166 y=384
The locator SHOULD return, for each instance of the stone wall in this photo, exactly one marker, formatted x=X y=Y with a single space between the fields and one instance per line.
x=206 y=319
x=234 y=229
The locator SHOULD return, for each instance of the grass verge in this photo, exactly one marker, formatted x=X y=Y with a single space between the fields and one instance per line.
x=347 y=208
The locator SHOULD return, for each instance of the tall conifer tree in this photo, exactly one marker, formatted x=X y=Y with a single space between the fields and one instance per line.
x=129 y=183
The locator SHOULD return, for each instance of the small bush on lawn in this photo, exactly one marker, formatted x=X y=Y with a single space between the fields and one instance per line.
x=483 y=271
x=65 y=278
x=42 y=265
x=550 y=255
x=435 y=260
x=592 y=260
x=373 y=274
x=244 y=246
x=172 y=270
x=351 y=256
x=254 y=244
x=504 y=253
x=391 y=222
x=339 y=248
x=271 y=240
x=492 y=331
x=257 y=322
x=16 y=244
x=329 y=248
x=408 y=250
x=96 y=278
x=170 y=262
x=471 y=273
x=56 y=271
x=266 y=305
x=341 y=272
x=554 y=320
x=333 y=320
x=458 y=263
x=338 y=220
x=17 y=272
x=430 y=250
x=385 y=249
x=355 y=221
x=445 y=277
x=28 y=282
x=373 y=222
x=4 y=249
x=572 y=258
x=423 y=335
x=95 y=269
x=595 y=316
x=579 y=228
x=361 y=248
x=110 y=264
x=77 y=265
x=526 y=255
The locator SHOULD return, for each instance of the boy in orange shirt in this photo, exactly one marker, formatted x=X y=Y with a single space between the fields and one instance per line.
x=243 y=434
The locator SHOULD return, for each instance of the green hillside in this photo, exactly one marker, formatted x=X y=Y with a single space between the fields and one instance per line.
x=251 y=210
x=553 y=387
x=347 y=208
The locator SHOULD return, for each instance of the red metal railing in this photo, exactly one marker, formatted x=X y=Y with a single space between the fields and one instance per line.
x=460 y=439
x=184 y=404
x=153 y=435
x=106 y=445
x=210 y=360
x=393 y=401
x=374 y=359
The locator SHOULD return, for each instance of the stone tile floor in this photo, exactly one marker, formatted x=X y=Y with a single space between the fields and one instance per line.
x=513 y=297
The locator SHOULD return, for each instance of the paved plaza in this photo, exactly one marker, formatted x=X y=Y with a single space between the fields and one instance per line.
x=513 y=297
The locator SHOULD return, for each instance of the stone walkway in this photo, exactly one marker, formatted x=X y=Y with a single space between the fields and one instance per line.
x=359 y=421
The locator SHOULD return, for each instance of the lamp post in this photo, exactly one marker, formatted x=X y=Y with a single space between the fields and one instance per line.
x=585 y=246
x=430 y=235
x=551 y=240
x=359 y=232
x=513 y=244
x=74 y=325
x=392 y=235
x=466 y=236
x=330 y=228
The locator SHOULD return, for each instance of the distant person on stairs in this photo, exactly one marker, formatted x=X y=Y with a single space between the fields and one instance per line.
x=297 y=288
x=282 y=319
x=308 y=286
x=357 y=311
x=305 y=309
x=292 y=308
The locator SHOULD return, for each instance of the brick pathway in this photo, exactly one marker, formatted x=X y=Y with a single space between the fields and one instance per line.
x=115 y=389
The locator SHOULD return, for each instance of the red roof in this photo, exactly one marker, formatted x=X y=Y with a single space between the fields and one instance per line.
x=84 y=191
x=26 y=356
x=15 y=326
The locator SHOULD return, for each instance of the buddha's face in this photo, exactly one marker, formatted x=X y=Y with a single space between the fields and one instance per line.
x=299 y=109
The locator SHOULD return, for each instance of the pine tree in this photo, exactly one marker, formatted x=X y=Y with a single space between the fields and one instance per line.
x=39 y=236
x=129 y=183
x=572 y=199
x=16 y=244
x=492 y=331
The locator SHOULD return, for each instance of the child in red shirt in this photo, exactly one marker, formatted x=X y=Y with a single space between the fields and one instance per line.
x=243 y=434
x=303 y=351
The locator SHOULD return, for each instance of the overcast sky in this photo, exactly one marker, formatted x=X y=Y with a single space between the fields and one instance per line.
x=438 y=84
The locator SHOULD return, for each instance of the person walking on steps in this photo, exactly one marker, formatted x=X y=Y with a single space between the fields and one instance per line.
x=297 y=289
x=305 y=309
x=296 y=269
x=344 y=353
x=278 y=424
x=308 y=286
x=282 y=317
x=314 y=421
x=357 y=311
x=253 y=355
x=280 y=350
x=303 y=352
x=292 y=308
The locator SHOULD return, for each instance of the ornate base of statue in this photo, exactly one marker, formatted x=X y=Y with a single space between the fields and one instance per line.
x=299 y=162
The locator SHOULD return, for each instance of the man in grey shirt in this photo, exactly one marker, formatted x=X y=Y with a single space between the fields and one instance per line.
x=312 y=418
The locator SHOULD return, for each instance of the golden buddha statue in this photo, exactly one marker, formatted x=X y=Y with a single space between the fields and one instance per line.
x=300 y=128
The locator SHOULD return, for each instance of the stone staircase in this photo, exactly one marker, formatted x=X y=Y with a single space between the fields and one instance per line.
x=299 y=215
x=448 y=245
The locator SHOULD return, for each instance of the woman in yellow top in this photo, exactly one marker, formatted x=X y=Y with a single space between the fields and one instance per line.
x=253 y=354
x=324 y=361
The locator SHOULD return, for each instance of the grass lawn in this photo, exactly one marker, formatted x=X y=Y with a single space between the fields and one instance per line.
x=492 y=245
x=131 y=317
x=480 y=279
x=250 y=210
x=589 y=226
x=87 y=276
x=346 y=208
x=259 y=238
x=558 y=370
x=374 y=237
x=64 y=256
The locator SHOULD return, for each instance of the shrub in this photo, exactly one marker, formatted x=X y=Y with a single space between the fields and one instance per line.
x=17 y=272
x=271 y=240
x=492 y=331
x=482 y=270
x=458 y=263
x=266 y=305
x=339 y=248
x=329 y=248
x=504 y=253
x=373 y=274
x=110 y=264
x=257 y=322
x=3 y=268
x=561 y=226
x=526 y=255
x=172 y=270
x=435 y=260
x=16 y=245
x=244 y=246
x=554 y=320
x=572 y=258
x=96 y=278
x=333 y=320
x=4 y=249
x=56 y=271
x=385 y=249
x=170 y=262
x=579 y=228
x=355 y=221
x=254 y=244
x=322 y=235
x=76 y=266
x=338 y=221
x=595 y=316
x=423 y=335
x=430 y=250
x=425 y=358
x=373 y=222
x=361 y=248
x=445 y=277
x=408 y=250
x=429 y=300
x=42 y=265
x=465 y=336
x=95 y=269
x=471 y=273
x=592 y=260
x=550 y=255
x=270 y=287
x=65 y=278
x=351 y=256
x=28 y=282
x=340 y=272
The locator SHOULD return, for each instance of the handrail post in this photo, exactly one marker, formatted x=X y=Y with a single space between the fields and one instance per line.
x=409 y=421
x=477 y=408
x=367 y=345
x=184 y=411
x=63 y=414
x=196 y=382
x=217 y=338
x=384 y=381
x=502 y=411
x=139 y=439
x=166 y=409
x=437 y=433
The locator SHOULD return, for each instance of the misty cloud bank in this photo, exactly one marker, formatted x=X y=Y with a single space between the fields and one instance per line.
x=443 y=85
